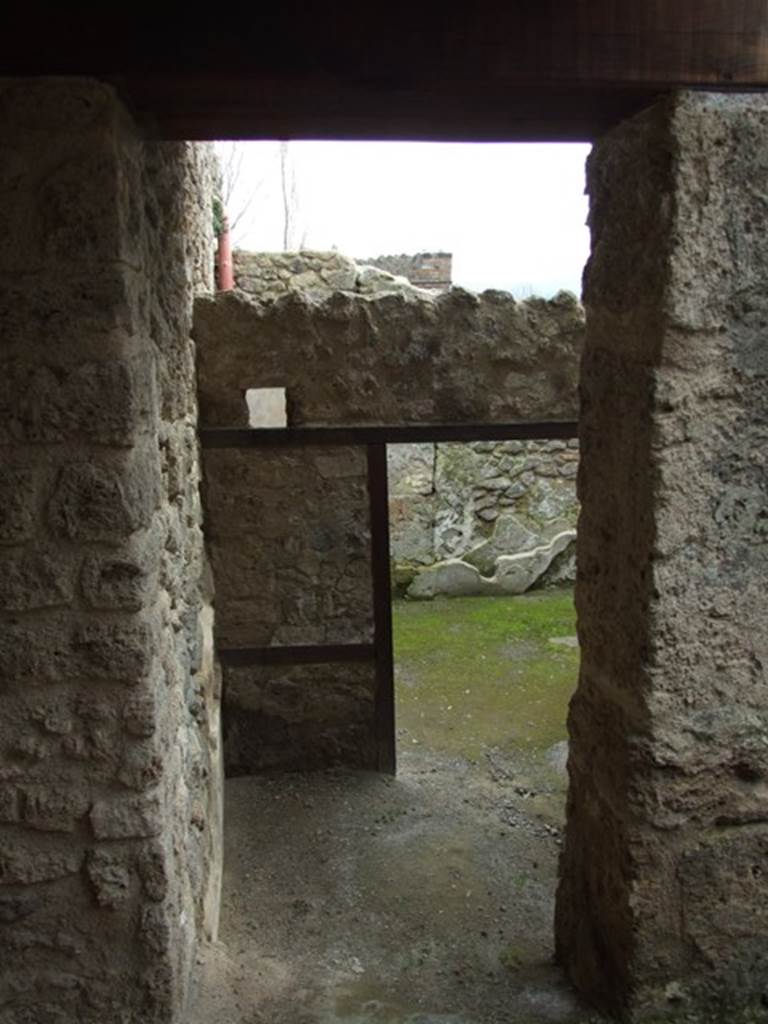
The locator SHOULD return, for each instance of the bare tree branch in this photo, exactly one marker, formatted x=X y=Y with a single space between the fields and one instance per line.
x=245 y=195
x=284 y=187
x=290 y=193
x=238 y=201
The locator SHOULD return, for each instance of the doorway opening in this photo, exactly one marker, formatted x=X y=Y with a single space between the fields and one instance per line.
x=367 y=885
x=483 y=547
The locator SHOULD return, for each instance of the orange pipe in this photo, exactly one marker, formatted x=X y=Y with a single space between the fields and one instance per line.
x=226 y=272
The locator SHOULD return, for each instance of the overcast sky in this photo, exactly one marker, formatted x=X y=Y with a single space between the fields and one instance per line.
x=513 y=215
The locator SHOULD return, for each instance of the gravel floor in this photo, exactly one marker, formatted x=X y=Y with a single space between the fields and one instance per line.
x=353 y=898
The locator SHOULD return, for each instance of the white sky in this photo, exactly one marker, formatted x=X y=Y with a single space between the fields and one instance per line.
x=513 y=215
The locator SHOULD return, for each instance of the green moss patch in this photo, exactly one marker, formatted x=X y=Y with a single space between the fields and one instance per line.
x=477 y=673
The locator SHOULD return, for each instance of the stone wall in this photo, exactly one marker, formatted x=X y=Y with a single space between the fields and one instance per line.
x=267 y=275
x=432 y=270
x=288 y=528
x=288 y=533
x=391 y=357
x=108 y=745
x=661 y=909
x=446 y=500
x=477 y=503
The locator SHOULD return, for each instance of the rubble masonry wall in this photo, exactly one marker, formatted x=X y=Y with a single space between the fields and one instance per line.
x=109 y=808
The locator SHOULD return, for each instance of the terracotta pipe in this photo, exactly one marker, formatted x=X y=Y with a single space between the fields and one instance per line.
x=226 y=273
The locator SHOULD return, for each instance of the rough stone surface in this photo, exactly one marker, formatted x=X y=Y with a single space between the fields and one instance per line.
x=373 y=281
x=312 y=715
x=411 y=469
x=110 y=717
x=107 y=503
x=289 y=539
x=290 y=549
x=512 y=574
x=18 y=504
x=405 y=357
x=100 y=400
x=661 y=903
x=476 y=502
x=267 y=275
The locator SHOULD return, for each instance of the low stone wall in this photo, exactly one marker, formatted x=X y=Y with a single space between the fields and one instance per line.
x=391 y=357
x=267 y=275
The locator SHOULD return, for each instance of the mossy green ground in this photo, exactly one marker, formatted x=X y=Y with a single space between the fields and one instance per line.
x=477 y=673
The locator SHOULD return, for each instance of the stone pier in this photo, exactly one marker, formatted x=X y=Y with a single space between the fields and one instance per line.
x=109 y=785
x=661 y=907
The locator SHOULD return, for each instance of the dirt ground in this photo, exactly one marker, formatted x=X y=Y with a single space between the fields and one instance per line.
x=352 y=898
x=356 y=898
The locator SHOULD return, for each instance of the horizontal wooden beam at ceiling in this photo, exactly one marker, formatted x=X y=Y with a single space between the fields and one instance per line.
x=553 y=69
x=308 y=109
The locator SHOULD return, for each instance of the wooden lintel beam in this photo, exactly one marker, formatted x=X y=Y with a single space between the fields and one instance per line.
x=553 y=69
x=255 y=437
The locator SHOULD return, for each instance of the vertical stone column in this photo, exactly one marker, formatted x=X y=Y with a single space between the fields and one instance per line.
x=108 y=735
x=661 y=906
